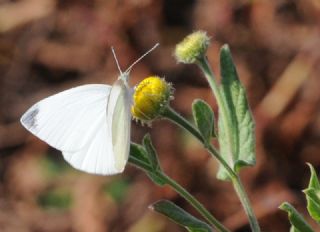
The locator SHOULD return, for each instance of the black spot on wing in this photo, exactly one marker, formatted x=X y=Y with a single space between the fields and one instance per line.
x=30 y=119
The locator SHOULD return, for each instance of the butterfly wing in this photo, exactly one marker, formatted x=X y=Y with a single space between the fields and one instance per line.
x=90 y=124
x=119 y=119
x=68 y=120
x=111 y=146
x=96 y=156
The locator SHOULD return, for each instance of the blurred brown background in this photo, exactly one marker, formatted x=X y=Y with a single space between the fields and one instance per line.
x=50 y=45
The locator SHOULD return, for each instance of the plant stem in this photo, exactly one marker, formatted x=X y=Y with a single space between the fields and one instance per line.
x=176 y=118
x=194 y=202
x=225 y=115
x=181 y=191
x=227 y=125
x=246 y=204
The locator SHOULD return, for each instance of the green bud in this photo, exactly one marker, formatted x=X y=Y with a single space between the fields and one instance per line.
x=192 y=47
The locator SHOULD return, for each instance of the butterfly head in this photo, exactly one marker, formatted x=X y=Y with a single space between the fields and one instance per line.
x=124 y=76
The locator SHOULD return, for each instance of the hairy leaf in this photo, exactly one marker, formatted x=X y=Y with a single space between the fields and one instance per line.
x=145 y=157
x=313 y=195
x=151 y=152
x=204 y=119
x=237 y=144
x=137 y=151
x=179 y=216
x=298 y=224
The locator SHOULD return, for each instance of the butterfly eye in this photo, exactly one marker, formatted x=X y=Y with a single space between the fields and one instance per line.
x=150 y=98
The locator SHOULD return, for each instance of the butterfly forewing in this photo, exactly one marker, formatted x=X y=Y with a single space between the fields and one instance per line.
x=67 y=120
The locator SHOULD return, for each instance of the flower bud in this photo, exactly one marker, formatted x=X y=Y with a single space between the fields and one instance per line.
x=192 y=47
x=150 y=98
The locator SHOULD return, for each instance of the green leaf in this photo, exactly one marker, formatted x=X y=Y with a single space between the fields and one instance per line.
x=313 y=195
x=138 y=157
x=204 y=119
x=151 y=152
x=296 y=220
x=314 y=181
x=179 y=216
x=145 y=157
x=137 y=151
x=241 y=151
x=153 y=160
x=313 y=203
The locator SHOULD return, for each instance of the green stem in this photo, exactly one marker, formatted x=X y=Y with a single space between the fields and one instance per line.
x=227 y=125
x=246 y=204
x=176 y=118
x=226 y=120
x=182 y=192
x=194 y=202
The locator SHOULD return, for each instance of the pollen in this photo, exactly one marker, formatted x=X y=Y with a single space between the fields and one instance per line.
x=150 y=98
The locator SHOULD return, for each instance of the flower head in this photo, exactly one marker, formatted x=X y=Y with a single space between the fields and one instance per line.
x=192 y=47
x=151 y=97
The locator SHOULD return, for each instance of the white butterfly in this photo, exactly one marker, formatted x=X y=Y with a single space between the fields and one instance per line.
x=90 y=124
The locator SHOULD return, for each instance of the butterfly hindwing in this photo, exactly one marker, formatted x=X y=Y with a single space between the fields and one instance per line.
x=119 y=118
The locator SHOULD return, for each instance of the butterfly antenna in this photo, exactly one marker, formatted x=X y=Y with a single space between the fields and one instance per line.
x=115 y=58
x=141 y=57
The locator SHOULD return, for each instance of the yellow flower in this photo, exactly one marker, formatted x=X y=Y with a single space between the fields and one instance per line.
x=192 y=47
x=151 y=97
